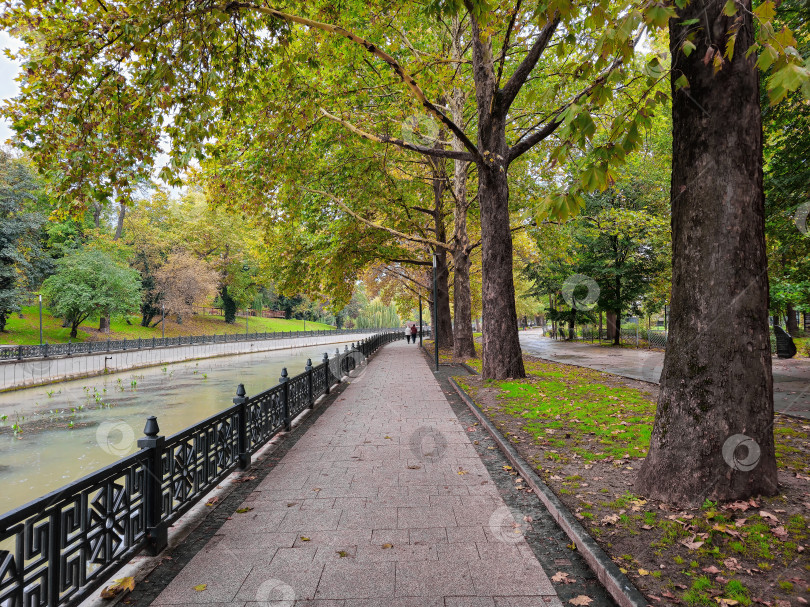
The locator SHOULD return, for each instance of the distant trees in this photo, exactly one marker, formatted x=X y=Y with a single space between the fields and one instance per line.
x=21 y=257
x=377 y=315
x=185 y=281
x=89 y=283
x=620 y=244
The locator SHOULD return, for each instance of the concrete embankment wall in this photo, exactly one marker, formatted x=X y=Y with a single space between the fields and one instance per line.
x=38 y=371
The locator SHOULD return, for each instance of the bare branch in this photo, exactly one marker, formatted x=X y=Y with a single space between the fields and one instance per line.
x=514 y=84
x=505 y=46
x=399 y=142
x=371 y=224
x=400 y=71
x=524 y=145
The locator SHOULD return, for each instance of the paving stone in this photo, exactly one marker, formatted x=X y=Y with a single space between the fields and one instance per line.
x=433 y=579
x=469 y=601
x=268 y=583
x=322 y=514
x=221 y=571
x=356 y=580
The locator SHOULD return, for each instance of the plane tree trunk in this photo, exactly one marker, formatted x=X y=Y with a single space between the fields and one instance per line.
x=713 y=435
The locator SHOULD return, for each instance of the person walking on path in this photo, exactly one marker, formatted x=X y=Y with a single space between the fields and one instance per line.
x=408 y=334
x=413 y=332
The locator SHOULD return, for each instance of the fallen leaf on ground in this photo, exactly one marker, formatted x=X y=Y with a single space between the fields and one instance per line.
x=200 y=587
x=304 y=539
x=212 y=501
x=342 y=553
x=691 y=543
x=643 y=572
x=117 y=587
x=414 y=467
x=245 y=509
x=731 y=563
x=767 y=515
x=385 y=546
x=562 y=578
x=780 y=532
x=610 y=519
x=711 y=570
x=581 y=600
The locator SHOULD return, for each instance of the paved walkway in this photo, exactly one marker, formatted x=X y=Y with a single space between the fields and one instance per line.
x=791 y=377
x=384 y=501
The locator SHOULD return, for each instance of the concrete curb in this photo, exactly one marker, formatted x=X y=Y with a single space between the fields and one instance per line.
x=617 y=584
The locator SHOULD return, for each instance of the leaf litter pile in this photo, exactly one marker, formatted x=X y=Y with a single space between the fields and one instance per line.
x=586 y=432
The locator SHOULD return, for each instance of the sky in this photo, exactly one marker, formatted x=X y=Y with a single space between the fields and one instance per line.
x=9 y=88
x=8 y=72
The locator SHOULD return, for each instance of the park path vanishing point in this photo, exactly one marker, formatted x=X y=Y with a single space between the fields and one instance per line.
x=368 y=508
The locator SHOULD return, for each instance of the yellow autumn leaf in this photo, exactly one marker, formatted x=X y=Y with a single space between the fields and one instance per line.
x=304 y=539
x=643 y=572
x=200 y=587
x=117 y=587
x=765 y=11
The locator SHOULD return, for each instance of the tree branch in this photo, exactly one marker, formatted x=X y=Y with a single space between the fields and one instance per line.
x=514 y=84
x=371 y=224
x=406 y=78
x=505 y=46
x=524 y=145
x=415 y=262
x=400 y=143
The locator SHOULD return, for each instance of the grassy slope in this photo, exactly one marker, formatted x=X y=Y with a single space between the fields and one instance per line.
x=584 y=425
x=26 y=330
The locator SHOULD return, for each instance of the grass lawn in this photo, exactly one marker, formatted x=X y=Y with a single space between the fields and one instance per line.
x=585 y=432
x=26 y=330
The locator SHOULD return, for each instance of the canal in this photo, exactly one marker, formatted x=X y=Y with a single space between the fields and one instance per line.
x=54 y=434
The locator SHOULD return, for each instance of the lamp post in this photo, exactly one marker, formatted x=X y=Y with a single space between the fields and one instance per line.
x=435 y=313
x=40 y=319
x=420 y=319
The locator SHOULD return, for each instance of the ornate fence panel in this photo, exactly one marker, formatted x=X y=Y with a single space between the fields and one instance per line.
x=196 y=459
x=265 y=417
x=56 y=549
x=59 y=548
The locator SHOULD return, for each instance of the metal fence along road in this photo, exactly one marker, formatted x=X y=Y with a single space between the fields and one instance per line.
x=59 y=548
x=9 y=353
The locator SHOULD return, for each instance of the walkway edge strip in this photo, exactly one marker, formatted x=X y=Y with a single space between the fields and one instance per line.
x=618 y=585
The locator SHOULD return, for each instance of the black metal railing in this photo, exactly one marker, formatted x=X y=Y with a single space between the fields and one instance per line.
x=633 y=335
x=9 y=353
x=59 y=548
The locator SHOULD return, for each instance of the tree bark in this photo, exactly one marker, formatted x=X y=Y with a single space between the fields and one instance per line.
x=501 y=357
x=716 y=386
x=119 y=226
x=611 y=324
x=792 y=322
x=445 y=319
x=104 y=324
x=463 y=342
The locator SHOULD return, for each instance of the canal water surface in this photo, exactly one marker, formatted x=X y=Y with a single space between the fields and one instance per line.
x=52 y=435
